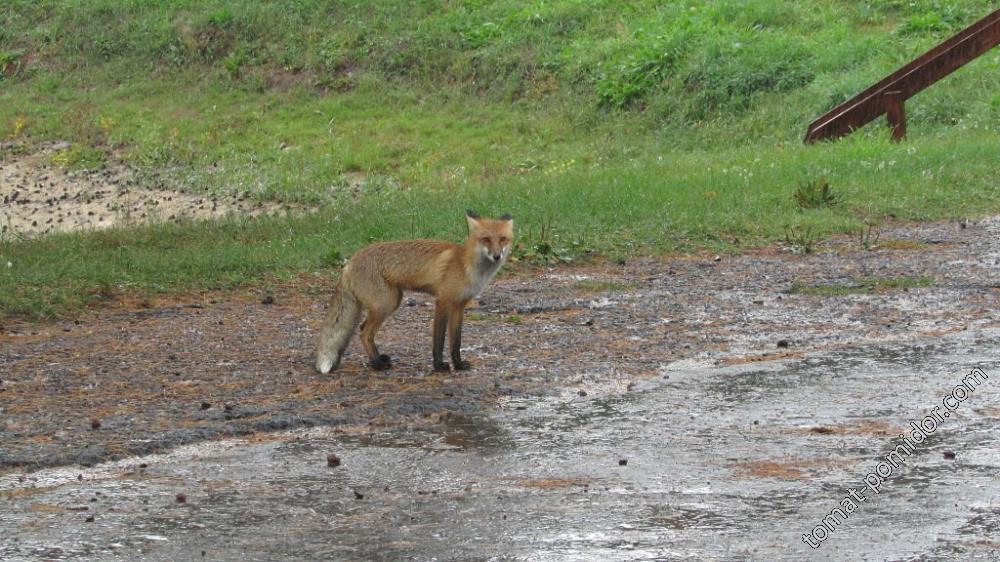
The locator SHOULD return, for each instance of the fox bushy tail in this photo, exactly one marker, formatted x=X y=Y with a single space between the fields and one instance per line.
x=337 y=329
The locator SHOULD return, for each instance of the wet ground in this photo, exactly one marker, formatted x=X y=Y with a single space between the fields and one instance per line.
x=701 y=463
x=694 y=408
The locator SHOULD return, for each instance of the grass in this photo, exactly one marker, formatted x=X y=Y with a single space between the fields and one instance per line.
x=861 y=286
x=605 y=129
x=596 y=286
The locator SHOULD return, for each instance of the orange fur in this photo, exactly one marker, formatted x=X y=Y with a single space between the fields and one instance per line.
x=375 y=278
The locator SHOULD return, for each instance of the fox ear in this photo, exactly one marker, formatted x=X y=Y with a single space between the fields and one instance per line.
x=506 y=217
x=472 y=218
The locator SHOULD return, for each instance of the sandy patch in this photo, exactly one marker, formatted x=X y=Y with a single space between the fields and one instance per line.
x=39 y=197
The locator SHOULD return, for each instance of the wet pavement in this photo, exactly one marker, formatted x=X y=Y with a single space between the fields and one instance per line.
x=700 y=462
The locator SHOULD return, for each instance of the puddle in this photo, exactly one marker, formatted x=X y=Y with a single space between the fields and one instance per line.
x=709 y=463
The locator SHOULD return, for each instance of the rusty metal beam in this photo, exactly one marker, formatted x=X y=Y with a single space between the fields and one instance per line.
x=889 y=94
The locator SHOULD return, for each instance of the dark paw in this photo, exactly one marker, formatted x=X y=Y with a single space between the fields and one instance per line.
x=381 y=363
x=461 y=365
x=440 y=367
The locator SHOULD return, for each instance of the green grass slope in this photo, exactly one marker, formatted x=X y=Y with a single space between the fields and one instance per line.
x=613 y=128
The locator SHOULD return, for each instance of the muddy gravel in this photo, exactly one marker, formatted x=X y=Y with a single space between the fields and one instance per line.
x=133 y=380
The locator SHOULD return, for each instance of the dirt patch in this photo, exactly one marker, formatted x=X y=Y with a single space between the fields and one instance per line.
x=147 y=373
x=553 y=483
x=786 y=468
x=42 y=197
x=771 y=356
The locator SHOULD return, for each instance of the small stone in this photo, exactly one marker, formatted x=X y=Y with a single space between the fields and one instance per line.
x=358 y=495
x=783 y=343
x=95 y=424
x=582 y=393
x=332 y=460
x=950 y=455
x=622 y=462
x=268 y=300
x=205 y=405
x=89 y=519
x=182 y=498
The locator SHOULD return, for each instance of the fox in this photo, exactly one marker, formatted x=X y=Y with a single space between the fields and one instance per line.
x=374 y=279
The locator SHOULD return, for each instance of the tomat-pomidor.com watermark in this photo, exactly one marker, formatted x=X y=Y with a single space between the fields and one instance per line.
x=884 y=469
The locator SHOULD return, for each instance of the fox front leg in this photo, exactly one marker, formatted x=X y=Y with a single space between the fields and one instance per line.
x=440 y=325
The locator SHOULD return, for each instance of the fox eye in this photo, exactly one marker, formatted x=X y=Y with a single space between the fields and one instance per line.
x=485 y=240
x=503 y=239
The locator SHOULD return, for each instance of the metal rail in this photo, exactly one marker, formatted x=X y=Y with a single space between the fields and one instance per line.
x=889 y=94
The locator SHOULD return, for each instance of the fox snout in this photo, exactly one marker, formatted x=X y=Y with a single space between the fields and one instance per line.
x=495 y=255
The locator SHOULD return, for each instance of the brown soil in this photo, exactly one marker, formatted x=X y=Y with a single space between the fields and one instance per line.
x=861 y=427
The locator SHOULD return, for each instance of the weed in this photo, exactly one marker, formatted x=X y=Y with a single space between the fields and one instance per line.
x=641 y=72
x=233 y=64
x=815 y=195
x=732 y=71
x=79 y=157
x=868 y=235
x=801 y=239
x=20 y=124
x=536 y=244
x=10 y=63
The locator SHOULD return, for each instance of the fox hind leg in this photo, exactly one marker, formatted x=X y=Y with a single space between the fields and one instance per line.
x=377 y=313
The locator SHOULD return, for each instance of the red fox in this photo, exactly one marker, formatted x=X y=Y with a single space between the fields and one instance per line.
x=375 y=278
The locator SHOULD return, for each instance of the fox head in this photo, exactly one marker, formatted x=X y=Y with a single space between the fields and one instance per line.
x=493 y=238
